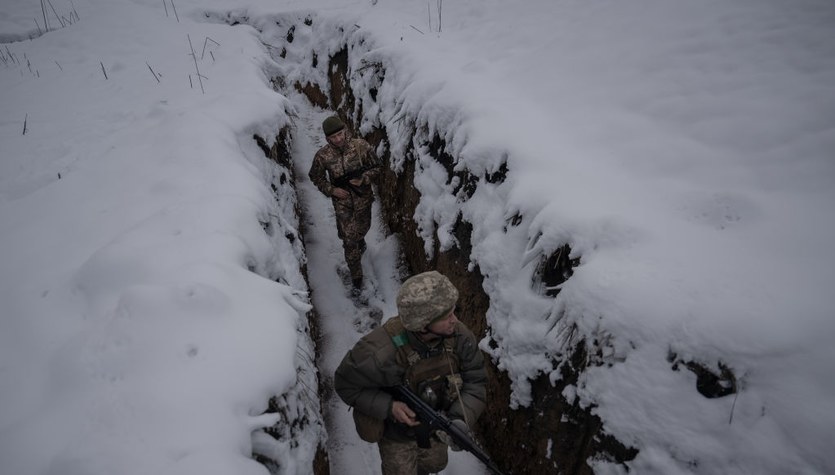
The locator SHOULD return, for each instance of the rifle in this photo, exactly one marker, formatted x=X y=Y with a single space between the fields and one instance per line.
x=432 y=420
x=344 y=181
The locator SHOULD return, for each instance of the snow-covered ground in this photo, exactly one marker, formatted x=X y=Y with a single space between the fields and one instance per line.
x=152 y=299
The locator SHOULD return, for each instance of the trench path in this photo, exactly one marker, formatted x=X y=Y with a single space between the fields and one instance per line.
x=341 y=321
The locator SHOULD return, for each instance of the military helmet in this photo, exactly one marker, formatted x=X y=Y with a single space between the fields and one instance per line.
x=332 y=125
x=424 y=298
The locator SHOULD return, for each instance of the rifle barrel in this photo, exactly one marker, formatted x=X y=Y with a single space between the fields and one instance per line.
x=436 y=420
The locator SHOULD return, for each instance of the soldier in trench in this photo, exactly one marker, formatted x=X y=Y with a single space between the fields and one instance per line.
x=428 y=349
x=344 y=170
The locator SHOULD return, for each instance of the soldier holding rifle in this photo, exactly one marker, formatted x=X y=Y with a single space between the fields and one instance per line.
x=344 y=170
x=424 y=352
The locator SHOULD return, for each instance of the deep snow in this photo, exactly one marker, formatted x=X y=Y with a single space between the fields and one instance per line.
x=151 y=285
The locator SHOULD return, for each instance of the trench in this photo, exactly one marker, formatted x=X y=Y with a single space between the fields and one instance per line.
x=550 y=435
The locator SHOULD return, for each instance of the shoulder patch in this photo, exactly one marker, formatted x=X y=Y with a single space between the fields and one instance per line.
x=400 y=339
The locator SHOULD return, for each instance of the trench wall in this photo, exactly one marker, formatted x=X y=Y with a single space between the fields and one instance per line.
x=301 y=421
x=550 y=435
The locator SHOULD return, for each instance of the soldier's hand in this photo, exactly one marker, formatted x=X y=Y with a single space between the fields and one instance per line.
x=357 y=181
x=402 y=413
x=340 y=193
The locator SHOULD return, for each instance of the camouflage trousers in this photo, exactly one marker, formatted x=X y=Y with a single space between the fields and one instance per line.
x=352 y=224
x=406 y=458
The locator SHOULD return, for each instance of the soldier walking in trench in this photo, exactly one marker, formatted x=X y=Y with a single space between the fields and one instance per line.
x=426 y=348
x=343 y=170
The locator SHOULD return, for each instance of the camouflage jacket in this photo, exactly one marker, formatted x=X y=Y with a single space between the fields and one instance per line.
x=331 y=164
x=372 y=365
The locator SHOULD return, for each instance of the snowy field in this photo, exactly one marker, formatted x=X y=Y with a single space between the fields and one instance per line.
x=152 y=297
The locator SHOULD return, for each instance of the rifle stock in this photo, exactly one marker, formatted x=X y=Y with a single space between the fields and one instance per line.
x=437 y=421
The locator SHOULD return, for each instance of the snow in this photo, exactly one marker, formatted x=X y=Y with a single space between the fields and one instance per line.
x=152 y=286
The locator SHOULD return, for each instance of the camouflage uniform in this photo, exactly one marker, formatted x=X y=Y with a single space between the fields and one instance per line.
x=376 y=362
x=353 y=215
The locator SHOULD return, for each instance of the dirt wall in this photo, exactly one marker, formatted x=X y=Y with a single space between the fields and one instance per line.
x=279 y=153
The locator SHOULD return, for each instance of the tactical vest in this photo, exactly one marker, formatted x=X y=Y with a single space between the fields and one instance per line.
x=434 y=375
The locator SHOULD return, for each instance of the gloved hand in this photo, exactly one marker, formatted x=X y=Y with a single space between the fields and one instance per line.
x=445 y=438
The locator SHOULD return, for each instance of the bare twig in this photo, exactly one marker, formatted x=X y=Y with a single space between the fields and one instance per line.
x=59 y=66
x=194 y=56
x=731 y=418
x=45 y=20
x=165 y=5
x=56 y=13
x=102 y=70
x=74 y=12
x=413 y=27
x=152 y=71
x=12 y=57
x=25 y=122
x=733 y=405
x=175 y=11
x=440 y=7
x=206 y=42
x=39 y=26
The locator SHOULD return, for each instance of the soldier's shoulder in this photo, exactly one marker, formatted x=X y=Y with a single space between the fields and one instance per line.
x=378 y=342
x=360 y=143
x=465 y=335
x=324 y=151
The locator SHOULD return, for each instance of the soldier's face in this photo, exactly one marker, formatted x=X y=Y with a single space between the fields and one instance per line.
x=337 y=139
x=445 y=326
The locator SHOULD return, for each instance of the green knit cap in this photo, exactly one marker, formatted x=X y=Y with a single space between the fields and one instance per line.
x=332 y=125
